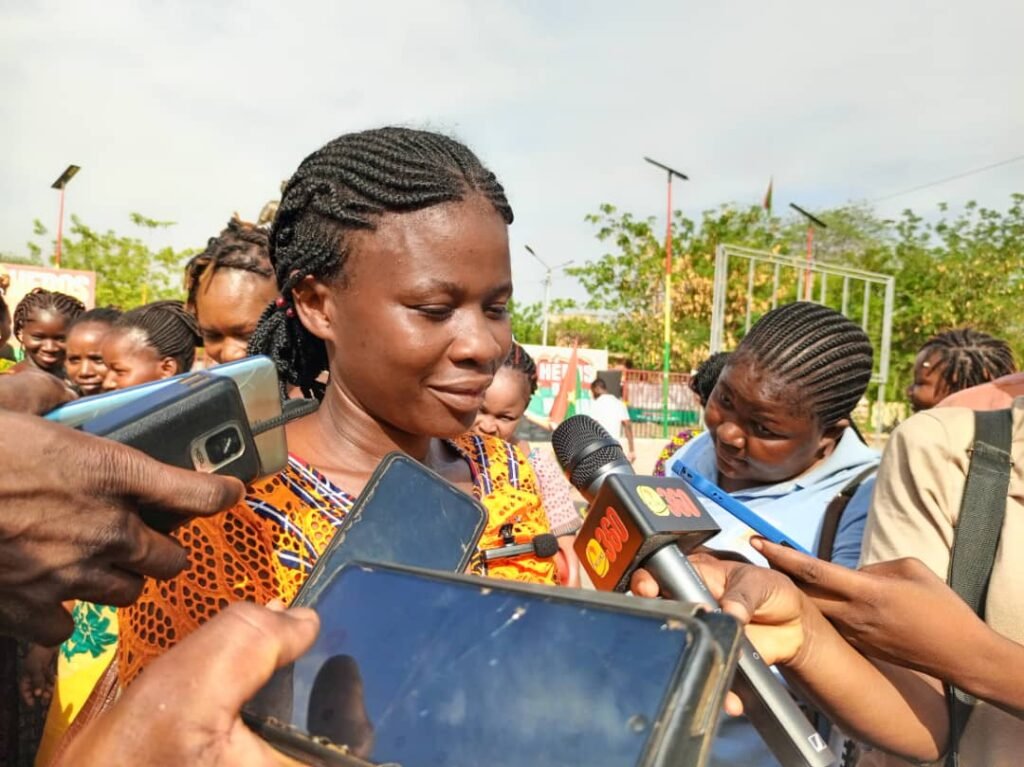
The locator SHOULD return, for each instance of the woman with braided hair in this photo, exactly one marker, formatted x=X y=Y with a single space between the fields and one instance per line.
x=780 y=436
x=150 y=343
x=956 y=360
x=503 y=408
x=391 y=252
x=780 y=440
x=41 y=322
x=229 y=285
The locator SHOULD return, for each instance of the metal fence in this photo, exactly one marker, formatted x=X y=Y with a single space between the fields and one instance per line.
x=642 y=392
x=749 y=283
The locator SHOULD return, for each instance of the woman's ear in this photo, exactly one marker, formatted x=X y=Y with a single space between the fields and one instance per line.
x=831 y=436
x=314 y=306
x=168 y=366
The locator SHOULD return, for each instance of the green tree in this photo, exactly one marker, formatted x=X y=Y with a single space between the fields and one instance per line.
x=128 y=272
x=526 y=321
x=953 y=271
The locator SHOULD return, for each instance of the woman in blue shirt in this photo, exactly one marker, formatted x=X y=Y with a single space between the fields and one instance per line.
x=779 y=436
x=780 y=440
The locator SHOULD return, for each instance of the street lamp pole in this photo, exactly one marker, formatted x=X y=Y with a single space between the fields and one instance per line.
x=667 y=350
x=812 y=221
x=61 y=183
x=547 y=291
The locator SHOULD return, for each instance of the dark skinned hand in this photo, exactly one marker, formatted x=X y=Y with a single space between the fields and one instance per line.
x=69 y=527
x=185 y=709
x=893 y=611
x=33 y=391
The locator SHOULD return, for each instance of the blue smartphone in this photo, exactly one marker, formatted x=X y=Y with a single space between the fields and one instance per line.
x=734 y=507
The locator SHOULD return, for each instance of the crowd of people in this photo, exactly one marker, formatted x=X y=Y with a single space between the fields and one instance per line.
x=382 y=289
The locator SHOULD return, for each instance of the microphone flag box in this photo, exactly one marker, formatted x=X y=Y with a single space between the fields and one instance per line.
x=633 y=516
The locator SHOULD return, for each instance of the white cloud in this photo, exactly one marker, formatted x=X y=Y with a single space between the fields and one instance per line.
x=189 y=111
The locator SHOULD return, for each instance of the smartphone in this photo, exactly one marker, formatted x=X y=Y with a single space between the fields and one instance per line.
x=739 y=510
x=256 y=378
x=420 y=668
x=197 y=422
x=406 y=515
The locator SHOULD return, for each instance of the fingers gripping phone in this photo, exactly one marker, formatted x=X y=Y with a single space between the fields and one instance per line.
x=227 y=420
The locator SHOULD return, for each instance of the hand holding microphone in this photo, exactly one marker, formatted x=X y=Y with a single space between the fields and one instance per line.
x=638 y=522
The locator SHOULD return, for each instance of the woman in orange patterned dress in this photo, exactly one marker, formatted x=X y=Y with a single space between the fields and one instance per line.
x=391 y=251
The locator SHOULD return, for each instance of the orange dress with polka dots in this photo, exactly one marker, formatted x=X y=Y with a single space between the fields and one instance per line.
x=265 y=547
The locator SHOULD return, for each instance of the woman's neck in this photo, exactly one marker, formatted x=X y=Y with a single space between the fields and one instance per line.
x=346 y=443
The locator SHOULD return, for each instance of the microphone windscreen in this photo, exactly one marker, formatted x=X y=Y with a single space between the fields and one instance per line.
x=545 y=545
x=572 y=437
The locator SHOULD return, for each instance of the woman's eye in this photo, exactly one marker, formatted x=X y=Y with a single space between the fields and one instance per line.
x=498 y=311
x=435 y=312
x=763 y=431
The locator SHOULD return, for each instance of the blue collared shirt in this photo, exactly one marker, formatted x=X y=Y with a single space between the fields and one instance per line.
x=796 y=506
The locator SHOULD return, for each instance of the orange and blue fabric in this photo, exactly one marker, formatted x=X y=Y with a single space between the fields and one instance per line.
x=265 y=547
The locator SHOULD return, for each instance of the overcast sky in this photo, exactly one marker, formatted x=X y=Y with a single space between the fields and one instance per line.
x=188 y=111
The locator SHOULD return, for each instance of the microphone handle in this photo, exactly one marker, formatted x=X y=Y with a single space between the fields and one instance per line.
x=504 y=552
x=766 y=701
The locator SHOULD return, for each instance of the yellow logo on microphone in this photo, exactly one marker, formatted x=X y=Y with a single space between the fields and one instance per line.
x=597 y=558
x=652 y=500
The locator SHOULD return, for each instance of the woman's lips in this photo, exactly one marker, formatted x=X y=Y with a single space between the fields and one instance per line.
x=461 y=399
x=724 y=460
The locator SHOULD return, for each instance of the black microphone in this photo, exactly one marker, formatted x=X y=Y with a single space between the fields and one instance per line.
x=636 y=521
x=543 y=546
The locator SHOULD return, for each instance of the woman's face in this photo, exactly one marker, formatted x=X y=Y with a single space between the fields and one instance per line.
x=228 y=308
x=43 y=337
x=417 y=325
x=928 y=389
x=504 y=404
x=131 y=361
x=761 y=433
x=84 y=364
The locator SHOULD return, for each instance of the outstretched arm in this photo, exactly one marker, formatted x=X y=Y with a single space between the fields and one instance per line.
x=897 y=611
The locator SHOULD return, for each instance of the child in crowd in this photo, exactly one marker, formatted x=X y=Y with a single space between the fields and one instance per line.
x=504 y=405
x=41 y=322
x=150 y=343
x=84 y=365
x=957 y=360
x=229 y=286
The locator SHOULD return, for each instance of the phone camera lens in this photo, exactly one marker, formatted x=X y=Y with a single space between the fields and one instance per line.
x=224 y=445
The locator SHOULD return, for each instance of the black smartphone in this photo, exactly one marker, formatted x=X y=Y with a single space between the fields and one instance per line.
x=198 y=422
x=407 y=515
x=419 y=669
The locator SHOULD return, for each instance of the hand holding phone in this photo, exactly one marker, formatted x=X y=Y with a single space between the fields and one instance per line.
x=739 y=510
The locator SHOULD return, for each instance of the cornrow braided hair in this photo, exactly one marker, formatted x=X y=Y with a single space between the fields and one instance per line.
x=703 y=381
x=106 y=315
x=827 y=357
x=168 y=328
x=42 y=300
x=347 y=185
x=968 y=357
x=519 y=360
x=242 y=245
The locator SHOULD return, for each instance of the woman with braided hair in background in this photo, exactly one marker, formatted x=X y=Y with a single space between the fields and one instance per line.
x=229 y=286
x=956 y=360
x=41 y=322
x=499 y=416
x=390 y=248
x=780 y=440
x=150 y=343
